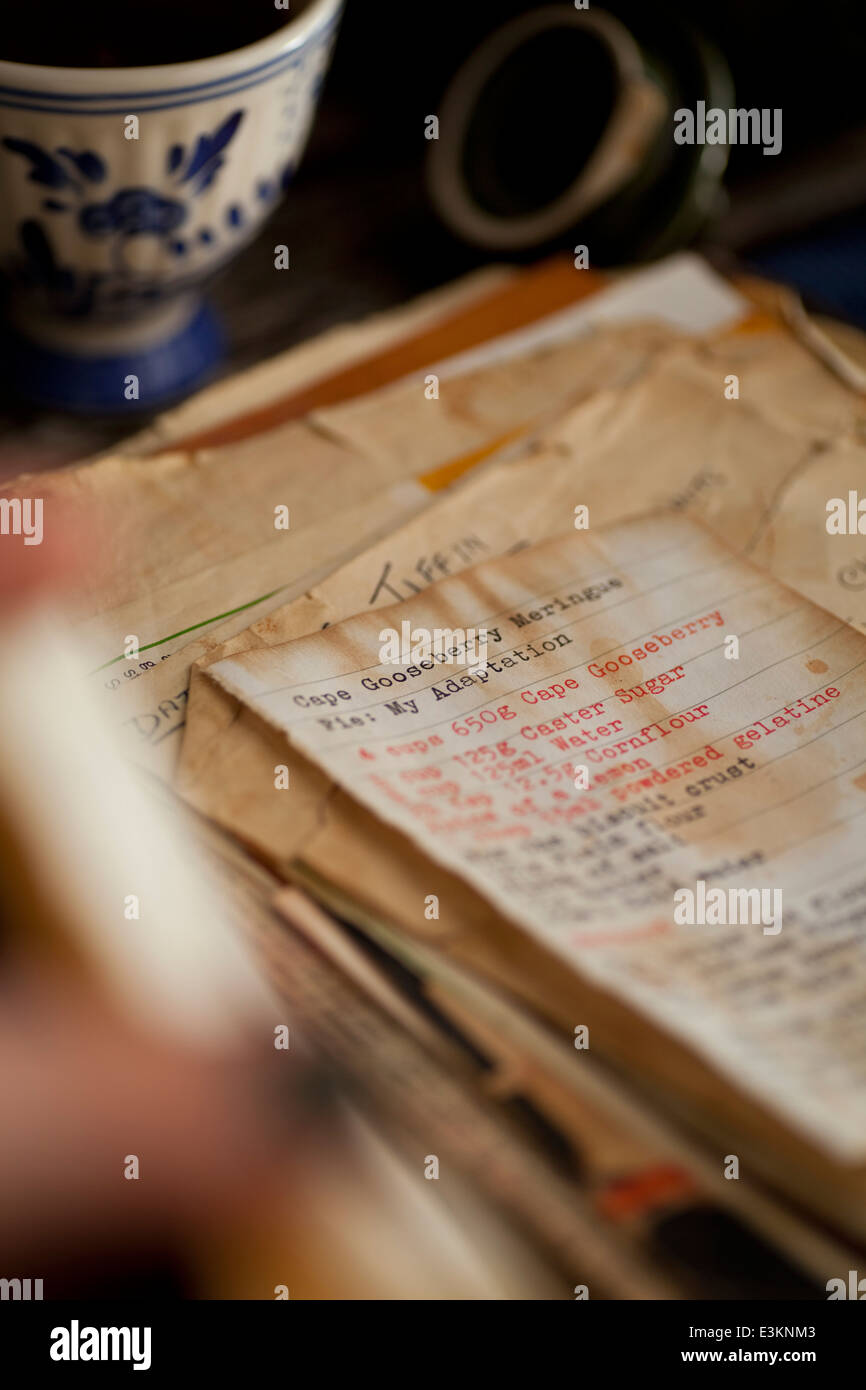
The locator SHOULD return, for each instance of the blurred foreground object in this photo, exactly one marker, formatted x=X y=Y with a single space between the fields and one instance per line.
x=156 y=1123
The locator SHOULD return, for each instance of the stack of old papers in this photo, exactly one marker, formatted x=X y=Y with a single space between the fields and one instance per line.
x=617 y=850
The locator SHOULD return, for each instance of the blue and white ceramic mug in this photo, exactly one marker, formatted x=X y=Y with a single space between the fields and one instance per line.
x=125 y=189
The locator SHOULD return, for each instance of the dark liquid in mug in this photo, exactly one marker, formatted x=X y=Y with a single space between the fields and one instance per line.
x=118 y=34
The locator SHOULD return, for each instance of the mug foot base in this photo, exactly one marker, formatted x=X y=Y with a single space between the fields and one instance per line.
x=142 y=379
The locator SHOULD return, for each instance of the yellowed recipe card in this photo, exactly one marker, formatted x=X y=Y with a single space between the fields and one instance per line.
x=651 y=756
